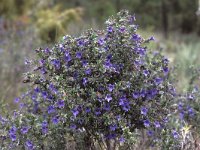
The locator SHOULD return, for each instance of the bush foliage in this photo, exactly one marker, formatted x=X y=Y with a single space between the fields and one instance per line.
x=103 y=86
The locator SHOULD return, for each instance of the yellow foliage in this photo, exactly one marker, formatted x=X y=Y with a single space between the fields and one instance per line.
x=51 y=23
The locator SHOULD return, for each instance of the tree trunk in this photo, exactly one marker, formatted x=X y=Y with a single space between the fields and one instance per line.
x=164 y=13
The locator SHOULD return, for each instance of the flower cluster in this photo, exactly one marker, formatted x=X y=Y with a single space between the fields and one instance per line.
x=106 y=84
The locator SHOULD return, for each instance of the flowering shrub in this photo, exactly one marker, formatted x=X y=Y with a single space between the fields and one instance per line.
x=103 y=86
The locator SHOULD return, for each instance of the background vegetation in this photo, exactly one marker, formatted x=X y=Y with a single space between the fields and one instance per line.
x=29 y=24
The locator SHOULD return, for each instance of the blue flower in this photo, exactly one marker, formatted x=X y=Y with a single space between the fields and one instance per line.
x=16 y=100
x=61 y=104
x=88 y=71
x=55 y=120
x=24 y=130
x=110 y=29
x=113 y=127
x=75 y=112
x=111 y=87
x=84 y=63
x=107 y=64
x=175 y=134
x=126 y=107
x=136 y=37
x=47 y=51
x=97 y=111
x=44 y=127
x=51 y=109
x=158 y=80
x=144 y=111
x=106 y=107
x=146 y=73
x=122 y=29
x=101 y=42
x=78 y=55
x=85 y=81
x=122 y=139
x=73 y=126
x=29 y=144
x=80 y=43
x=108 y=97
x=165 y=70
x=150 y=133
x=56 y=63
x=136 y=94
x=109 y=56
x=88 y=110
x=146 y=123
x=157 y=124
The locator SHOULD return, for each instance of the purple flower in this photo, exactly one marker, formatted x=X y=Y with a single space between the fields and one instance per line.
x=88 y=71
x=44 y=127
x=181 y=115
x=146 y=123
x=44 y=94
x=110 y=29
x=158 y=80
x=108 y=64
x=29 y=144
x=132 y=19
x=37 y=90
x=122 y=139
x=108 y=97
x=190 y=111
x=47 y=51
x=13 y=136
x=150 y=133
x=144 y=111
x=151 y=94
x=109 y=57
x=122 y=29
x=85 y=80
x=61 y=104
x=165 y=70
x=143 y=93
x=78 y=55
x=84 y=63
x=56 y=63
x=24 y=130
x=51 y=109
x=180 y=106
x=145 y=73
x=101 y=42
x=110 y=136
x=72 y=126
x=16 y=100
x=111 y=87
x=151 y=38
x=80 y=42
x=113 y=127
x=12 y=133
x=190 y=97
x=52 y=88
x=136 y=94
x=136 y=37
x=106 y=107
x=97 y=111
x=157 y=124
x=75 y=112
x=122 y=100
x=55 y=120
x=126 y=107
x=88 y=110
x=175 y=134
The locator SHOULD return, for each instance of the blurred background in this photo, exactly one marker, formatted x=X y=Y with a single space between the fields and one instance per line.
x=29 y=24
